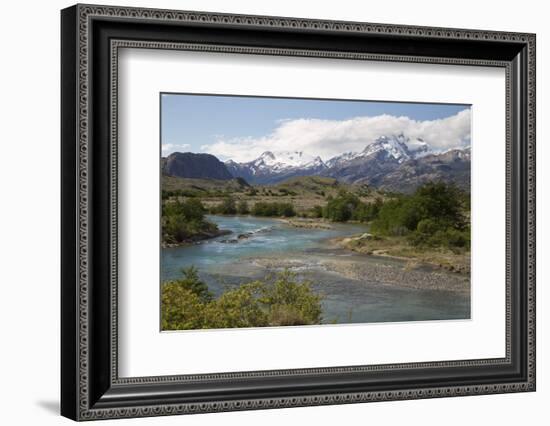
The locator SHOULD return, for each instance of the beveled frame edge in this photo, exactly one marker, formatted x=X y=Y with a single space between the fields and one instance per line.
x=116 y=45
x=75 y=196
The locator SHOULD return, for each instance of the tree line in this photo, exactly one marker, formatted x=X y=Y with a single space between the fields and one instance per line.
x=229 y=206
x=436 y=214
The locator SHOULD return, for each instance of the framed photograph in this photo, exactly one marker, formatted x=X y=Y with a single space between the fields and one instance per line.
x=263 y=212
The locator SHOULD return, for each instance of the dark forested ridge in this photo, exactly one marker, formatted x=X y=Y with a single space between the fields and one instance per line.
x=198 y=166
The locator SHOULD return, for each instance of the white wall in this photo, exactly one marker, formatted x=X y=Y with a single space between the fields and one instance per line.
x=29 y=225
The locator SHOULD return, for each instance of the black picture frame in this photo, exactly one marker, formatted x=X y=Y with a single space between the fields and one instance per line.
x=90 y=386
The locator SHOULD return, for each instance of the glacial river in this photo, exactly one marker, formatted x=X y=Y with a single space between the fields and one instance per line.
x=271 y=245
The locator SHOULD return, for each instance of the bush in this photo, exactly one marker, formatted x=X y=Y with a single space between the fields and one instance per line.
x=434 y=216
x=341 y=208
x=454 y=238
x=438 y=202
x=317 y=212
x=181 y=309
x=191 y=209
x=366 y=212
x=242 y=207
x=285 y=191
x=187 y=304
x=347 y=206
x=286 y=210
x=183 y=302
x=236 y=308
x=427 y=226
x=273 y=209
x=291 y=303
x=227 y=206
x=184 y=220
x=191 y=281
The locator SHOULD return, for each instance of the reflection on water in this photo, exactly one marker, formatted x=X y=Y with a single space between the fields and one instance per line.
x=223 y=264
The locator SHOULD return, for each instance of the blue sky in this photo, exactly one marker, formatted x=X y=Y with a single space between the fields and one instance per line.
x=243 y=127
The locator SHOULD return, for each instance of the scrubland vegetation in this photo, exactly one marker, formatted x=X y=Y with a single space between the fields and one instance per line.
x=187 y=303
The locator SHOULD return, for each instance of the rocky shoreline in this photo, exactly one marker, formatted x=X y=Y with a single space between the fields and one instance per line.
x=368 y=269
x=403 y=276
x=307 y=223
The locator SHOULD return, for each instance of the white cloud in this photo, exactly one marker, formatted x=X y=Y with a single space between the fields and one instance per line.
x=328 y=138
x=168 y=148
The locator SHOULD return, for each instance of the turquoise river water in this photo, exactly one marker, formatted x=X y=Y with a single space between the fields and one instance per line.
x=272 y=245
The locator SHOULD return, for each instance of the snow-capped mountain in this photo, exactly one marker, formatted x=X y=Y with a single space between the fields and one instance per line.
x=272 y=167
x=387 y=162
x=395 y=148
x=287 y=159
x=341 y=159
x=418 y=148
x=392 y=162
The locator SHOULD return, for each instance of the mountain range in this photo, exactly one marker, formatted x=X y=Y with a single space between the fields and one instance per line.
x=393 y=163
x=271 y=168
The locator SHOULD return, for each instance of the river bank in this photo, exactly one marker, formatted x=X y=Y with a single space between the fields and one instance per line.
x=356 y=288
x=398 y=248
x=370 y=269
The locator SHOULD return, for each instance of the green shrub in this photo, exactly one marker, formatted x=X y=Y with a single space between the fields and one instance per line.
x=191 y=281
x=273 y=209
x=242 y=207
x=182 y=308
x=285 y=191
x=188 y=304
x=347 y=206
x=434 y=216
x=437 y=201
x=316 y=212
x=184 y=220
x=190 y=209
x=366 y=212
x=340 y=208
x=286 y=210
x=235 y=308
x=227 y=206
x=291 y=303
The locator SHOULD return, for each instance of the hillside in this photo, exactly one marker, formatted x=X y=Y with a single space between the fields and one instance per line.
x=452 y=167
x=203 y=187
x=323 y=187
x=197 y=166
x=304 y=192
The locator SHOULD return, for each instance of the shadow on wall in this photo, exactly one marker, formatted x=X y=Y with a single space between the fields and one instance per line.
x=50 y=406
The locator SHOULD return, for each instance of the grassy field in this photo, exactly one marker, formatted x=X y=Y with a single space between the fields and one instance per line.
x=304 y=193
x=200 y=187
